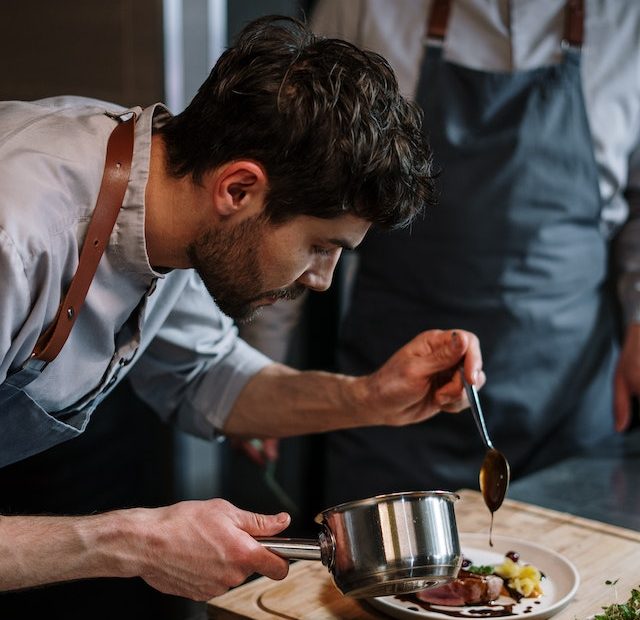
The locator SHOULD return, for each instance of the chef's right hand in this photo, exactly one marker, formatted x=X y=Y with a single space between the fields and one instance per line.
x=423 y=378
x=200 y=549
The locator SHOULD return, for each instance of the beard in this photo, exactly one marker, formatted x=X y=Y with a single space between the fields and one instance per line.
x=228 y=264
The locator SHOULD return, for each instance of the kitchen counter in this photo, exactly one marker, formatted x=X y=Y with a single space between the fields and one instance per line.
x=603 y=485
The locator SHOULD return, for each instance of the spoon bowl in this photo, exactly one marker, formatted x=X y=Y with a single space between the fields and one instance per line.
x=494 y=478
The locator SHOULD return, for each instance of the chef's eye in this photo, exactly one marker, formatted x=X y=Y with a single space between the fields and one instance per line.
x=318 y=249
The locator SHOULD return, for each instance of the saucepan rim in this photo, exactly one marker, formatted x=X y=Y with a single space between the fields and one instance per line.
x=378 y=499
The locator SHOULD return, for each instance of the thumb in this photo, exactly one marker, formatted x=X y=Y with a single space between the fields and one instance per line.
x=258 y=524
x=447 y=349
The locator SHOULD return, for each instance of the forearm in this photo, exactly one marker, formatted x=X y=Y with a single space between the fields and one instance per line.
x=38 y=550
x=282 y=402
x=193 y=549
x=415 y=383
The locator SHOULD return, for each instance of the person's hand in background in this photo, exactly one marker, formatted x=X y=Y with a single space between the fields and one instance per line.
x=259 y=451
x=627 y=377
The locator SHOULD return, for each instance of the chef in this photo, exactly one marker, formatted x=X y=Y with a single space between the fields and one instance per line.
x=130 y=239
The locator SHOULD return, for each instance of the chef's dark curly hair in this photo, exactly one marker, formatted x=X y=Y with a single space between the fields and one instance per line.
x=322 y=116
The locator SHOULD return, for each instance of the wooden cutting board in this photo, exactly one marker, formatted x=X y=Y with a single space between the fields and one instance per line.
x=599 y=551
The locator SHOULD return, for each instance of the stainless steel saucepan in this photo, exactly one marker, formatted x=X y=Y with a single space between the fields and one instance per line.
x=388 y=544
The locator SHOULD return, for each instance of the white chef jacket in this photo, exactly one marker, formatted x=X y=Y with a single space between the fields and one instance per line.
x=182 y=353
x=512 y=35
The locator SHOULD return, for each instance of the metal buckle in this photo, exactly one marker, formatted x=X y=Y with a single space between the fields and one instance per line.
x=428 y=41
x=566 y=46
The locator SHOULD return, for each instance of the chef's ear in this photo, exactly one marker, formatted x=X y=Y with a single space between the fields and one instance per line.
x=239 y=186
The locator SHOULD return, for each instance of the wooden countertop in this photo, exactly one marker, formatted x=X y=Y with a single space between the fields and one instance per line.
x=599 y=551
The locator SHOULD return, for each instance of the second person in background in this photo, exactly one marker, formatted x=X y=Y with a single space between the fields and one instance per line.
x=533 y=112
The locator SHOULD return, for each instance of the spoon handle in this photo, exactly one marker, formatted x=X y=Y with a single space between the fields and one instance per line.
x=476 y=410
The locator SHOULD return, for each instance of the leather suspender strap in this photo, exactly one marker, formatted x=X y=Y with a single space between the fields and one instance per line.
x=574 y=23
x=112 y=189
x=439 y=19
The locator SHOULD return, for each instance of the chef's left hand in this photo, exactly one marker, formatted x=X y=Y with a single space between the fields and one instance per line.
x=627 y=377
x=422 y=378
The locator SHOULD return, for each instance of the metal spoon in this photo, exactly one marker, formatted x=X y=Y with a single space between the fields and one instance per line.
x=494 y=473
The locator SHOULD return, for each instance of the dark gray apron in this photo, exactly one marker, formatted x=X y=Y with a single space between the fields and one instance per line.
x=513 y=252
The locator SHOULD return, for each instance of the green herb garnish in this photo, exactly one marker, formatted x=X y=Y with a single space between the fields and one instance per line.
x=480 y=570
x=622 y=611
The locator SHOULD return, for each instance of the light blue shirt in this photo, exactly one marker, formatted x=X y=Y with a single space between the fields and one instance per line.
x=181 y=352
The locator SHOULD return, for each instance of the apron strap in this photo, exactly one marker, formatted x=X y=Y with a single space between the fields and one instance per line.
x=573 y=22
x=112 y=189
x=439 y=19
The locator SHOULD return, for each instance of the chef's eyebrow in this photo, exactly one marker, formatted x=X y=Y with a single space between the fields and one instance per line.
x=342 y=243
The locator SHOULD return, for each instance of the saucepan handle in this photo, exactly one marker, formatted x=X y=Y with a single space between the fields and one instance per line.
x=293 y=548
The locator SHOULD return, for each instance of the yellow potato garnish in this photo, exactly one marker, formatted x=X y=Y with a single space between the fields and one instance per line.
x=523 y=578
x=508 y=569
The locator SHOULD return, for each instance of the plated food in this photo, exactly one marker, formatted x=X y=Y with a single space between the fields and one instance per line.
x=485 y=584
x=535 y=582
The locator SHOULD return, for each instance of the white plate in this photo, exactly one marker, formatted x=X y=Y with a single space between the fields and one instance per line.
x=559 y=585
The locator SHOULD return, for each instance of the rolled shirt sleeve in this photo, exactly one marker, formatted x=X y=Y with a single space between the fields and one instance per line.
x=195 y=366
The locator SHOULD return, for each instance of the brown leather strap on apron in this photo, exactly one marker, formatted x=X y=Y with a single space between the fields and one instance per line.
x=114 y=184
x=573 y=23
x=439 y=19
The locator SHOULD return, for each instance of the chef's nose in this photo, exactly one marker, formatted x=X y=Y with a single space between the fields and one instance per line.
x=319 y=275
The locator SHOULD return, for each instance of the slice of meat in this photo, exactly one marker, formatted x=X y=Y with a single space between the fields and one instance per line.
x=467 y=589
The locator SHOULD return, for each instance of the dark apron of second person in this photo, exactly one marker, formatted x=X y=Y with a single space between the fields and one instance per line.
x=512 y=252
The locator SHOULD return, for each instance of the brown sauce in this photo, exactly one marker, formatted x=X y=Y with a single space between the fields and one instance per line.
x=489 y=610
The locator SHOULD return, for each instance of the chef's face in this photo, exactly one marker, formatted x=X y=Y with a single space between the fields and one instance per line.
x=253 y=263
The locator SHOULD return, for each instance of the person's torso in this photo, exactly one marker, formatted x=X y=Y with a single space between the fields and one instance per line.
x=513 y=252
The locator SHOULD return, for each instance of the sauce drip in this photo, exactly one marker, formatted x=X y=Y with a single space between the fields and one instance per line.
x=494 y=481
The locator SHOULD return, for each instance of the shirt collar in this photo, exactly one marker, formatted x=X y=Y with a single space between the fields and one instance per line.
x=128 y=244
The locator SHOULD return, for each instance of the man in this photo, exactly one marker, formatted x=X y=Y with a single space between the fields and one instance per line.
x=292 y=148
